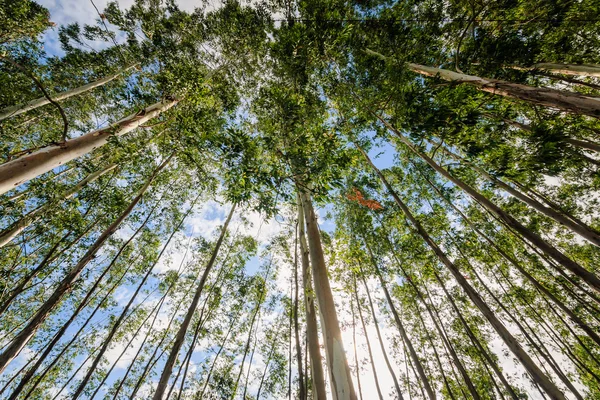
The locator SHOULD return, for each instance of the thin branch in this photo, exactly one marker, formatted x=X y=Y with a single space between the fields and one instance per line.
x=41 y=87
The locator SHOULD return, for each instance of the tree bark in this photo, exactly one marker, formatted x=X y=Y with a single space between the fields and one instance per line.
x=502 y=331
x=339 y=371
x=312 y=329
x=355 y=352
x=301 y=392
x=567 y=69
x=66 y=284
x=24 y=168
x=11 y=232
x=563 y=100
x=42 y=101
x=174 y=353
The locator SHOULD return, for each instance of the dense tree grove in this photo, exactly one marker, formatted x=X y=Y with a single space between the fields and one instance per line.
x=301 y=199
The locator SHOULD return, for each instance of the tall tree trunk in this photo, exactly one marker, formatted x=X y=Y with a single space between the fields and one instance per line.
x=504 y=334
x=563 y=100
x=586 y=328
x=583 y=230
x=411 y=349
x=24 y=168
x=179 y=338
x=567 y=69
x=264 y=374
x=539 y=345
x=439 y=327
x=339 y=371
x=66 y=284
x=483 y=352
x=380 y=339
x=301 y=393
x=355 y=352
x=59 y=335
x=42 y=101
x=584 y=144
x=312 y=329
x=221 y=347
x=11 y=232
x=80 y=307
x=589 y=277
x=112 y=332
x=364 y=326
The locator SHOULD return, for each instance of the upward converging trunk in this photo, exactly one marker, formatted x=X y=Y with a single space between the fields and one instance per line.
x=339 y=371
x=583 y=230
x=589 y=277
x=583 y=144
x=586 y=328
x=42 y=101
x=66 y=284
x=174 y=353
x=24 y=168
x=380 y=339
x=369 y=349
x=567 y=101
x=11 y=232
x=314 y=349
x=566 y=69
x=537 y=375
x=301 y=391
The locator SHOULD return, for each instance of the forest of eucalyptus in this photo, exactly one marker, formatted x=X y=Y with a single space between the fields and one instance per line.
x=452 y=148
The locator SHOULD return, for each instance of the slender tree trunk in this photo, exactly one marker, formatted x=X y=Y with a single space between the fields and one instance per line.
x=252 y=358
x=583 y=230
x=355 y=352
x=57 y=338
x=312 y=329
x=221 y=347
x=380 y=338
x=264 y=374
x=572 y=81
x=584 y=144
x=66 y=284
x=362 y=322
x=506 y=336
x=42 y=101
x=538 y=344
x=589 y=277
x=339 y=371
x=24 y=168
x=11 y=232
x=80 y=307
x=19 y=287
x=563 y=100
x=411 y=350
x=586 y=328
x=111 y=334
x=174 y=353
x=483 y=352
x=420 y=297
x=566 y=69
x=301 y=392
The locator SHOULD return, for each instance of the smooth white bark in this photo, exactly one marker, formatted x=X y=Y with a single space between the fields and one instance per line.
x=24 y=168
x=18 y=109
